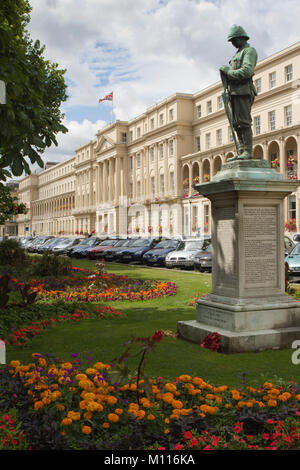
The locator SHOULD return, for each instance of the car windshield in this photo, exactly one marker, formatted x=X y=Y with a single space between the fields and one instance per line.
x=166 y=244
x=64 y=242
x=108 y=243
x=193 y=245
x=87 y=242
x=296 y=238
x=141 y=243
x=296 y=250
x=121 y=243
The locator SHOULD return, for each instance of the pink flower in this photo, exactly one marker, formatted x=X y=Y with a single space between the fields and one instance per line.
x=238 y=427
x=188 y=435
x=178 y=447
x=193 y=441
x=215 y=441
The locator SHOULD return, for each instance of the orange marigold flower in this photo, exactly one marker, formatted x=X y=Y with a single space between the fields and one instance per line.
x=86 y=429
x=66 y=421
x=113 y=417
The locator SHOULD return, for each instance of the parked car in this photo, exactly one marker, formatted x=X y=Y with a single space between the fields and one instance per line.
x=157 y=255
x=184 y=255
x=38 y=242
x=203 y=260
x=80 y=250
x=47 y=246
x=25 y=241
x=135 y=252
x=293 y=261
x=112 y=254
x=64 y=244
x=98 y=250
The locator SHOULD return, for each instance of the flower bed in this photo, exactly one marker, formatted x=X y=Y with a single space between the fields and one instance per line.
x=98 y=286
x=88 y=409
x=22 y=336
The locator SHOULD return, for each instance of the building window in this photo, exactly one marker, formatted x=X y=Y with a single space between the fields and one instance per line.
x=131 y=136
x=152 y=123
x=172 y=181
x=194 y=218
x=257 y=125
x=258 y=85
x=138 y=161
x=272 y=79
x=130 y=163
x=171 y=114
x=230 y=135
x=198 y=143
x=131 y=190
x=272 y=121
x=171 y=148
x=206 y=218
x=138 y=189
x=288 y=115
x=292 y=207
x=209 y=107
x=152 y=154
x=161 y=119
x=220 y=102
x=288 y=73
x=208 y=141
x=199 y=113
x=219 y=136
x=153 y=186
x=161 y=151
x=162 y=184
x=138 y=132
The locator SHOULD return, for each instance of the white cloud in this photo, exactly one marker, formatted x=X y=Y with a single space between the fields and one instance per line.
x=146 y=50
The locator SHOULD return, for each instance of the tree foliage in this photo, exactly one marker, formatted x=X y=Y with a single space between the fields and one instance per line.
x=9 y=205
x=35 y=89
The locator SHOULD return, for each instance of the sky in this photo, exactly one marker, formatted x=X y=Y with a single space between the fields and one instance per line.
x=145 y=51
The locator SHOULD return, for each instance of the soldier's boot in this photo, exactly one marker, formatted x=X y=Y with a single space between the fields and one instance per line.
x=247 y=153
x=240 y=145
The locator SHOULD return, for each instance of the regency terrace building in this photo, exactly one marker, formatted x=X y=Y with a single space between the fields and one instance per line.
x=136 y=177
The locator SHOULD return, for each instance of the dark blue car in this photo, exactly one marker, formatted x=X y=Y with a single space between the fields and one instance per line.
x=157 y=255
x=135 y=252
x=80 y=250
x=114 y=253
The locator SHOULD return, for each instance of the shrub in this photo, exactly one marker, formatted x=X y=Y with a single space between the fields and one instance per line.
x=11 y=253
x=50 y=265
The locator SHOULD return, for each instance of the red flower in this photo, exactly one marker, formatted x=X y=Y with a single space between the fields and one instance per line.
x=158 y=336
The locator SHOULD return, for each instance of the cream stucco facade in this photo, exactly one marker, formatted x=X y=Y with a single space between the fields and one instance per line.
x=136 y=176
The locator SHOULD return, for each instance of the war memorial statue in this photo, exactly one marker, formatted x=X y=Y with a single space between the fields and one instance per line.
x=247 y=307
x=239 y=91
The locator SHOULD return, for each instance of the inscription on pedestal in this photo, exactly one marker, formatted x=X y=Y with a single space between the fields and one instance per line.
x=261 y=246
x=226 y=240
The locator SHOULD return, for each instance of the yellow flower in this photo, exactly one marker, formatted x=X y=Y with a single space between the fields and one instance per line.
x=38 y=405
x=86 y=429
x=170 y=387
x=60 y=407
x=119 y=411
x=177 y=404
x=150 y=417
x=74 y=415
x=185 y=378
x=105 y=425
x=66 y=421
x=87 y=415
x=111 y=400
x=15 y=363
x=166 y=431
x=268 y=385
x=272 y=403
x=113 y=417
x=140 y=414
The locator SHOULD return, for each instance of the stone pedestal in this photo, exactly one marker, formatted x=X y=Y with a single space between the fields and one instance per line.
x=248 y=305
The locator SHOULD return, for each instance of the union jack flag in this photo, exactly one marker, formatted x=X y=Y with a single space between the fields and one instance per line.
x=108 y=97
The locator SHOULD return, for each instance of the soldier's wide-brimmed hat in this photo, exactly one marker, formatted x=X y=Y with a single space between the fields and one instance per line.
x=237 y=32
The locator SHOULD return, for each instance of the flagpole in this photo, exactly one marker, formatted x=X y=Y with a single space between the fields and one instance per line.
x=112 y=109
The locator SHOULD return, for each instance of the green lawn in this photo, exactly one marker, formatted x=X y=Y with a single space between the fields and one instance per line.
x=104 y=340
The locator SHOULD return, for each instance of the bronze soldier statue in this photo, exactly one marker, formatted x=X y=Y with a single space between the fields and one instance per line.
x=240 y=91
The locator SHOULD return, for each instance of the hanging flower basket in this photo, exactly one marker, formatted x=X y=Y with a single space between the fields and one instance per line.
x=291 y=161
x=275 y=163
x=290 y=225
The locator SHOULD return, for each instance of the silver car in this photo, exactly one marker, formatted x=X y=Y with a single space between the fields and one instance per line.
x=184 y=255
